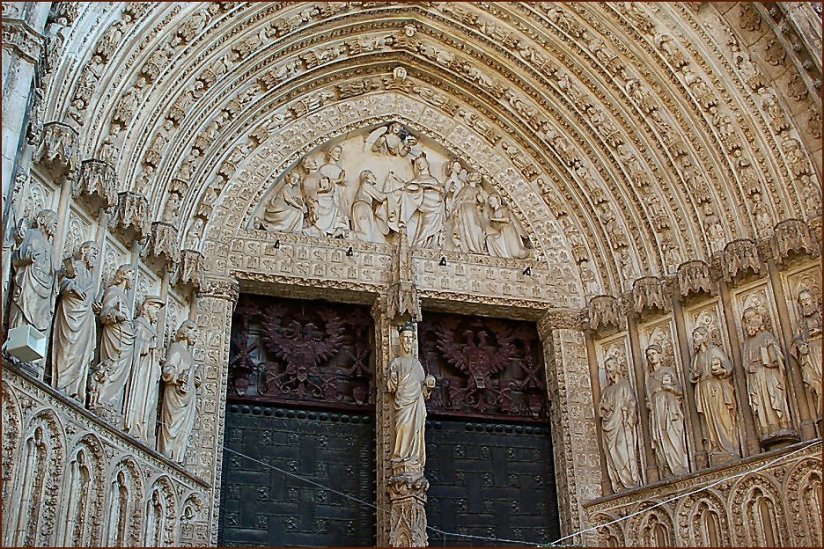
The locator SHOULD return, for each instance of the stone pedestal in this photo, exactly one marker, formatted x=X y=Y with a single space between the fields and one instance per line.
x=407 y=498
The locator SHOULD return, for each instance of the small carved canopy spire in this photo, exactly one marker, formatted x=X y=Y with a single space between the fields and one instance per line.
x=403 y=301
x=741 y=259
x=649 y=295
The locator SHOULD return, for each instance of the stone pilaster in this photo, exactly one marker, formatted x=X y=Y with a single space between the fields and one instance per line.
x=574 y=425
x=213 y=313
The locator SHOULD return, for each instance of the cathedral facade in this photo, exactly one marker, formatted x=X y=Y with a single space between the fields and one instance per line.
x=410 y=273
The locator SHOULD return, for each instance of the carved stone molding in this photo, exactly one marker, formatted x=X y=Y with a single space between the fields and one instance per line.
x=162 y=246
x=22 y=40
x=131 y=216
x=97 y=184
x=227 y=289
x=792 y=238
x=558 y=319
x=650 y=295
x=695 y=278
x=741 y=259
x=189 y=272
x=63 y=13
x=605 y=314
x=58 y=152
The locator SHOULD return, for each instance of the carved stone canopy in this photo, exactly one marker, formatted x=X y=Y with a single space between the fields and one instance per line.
x=792 y=238
x=695 y=278
x=58 y=151
x=189 y=272
x=741 y=259
x=650 y=295
x=131 y=216
x=162 y=248
x=606 y=314
x=97 y=185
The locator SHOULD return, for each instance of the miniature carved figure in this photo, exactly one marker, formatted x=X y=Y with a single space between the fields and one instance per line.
x=142 y=391
x=410 y=386
x=810 y=311
x=393 y=140
x=116 y=340
x=504 y=238
x=711 y=372
x=309 y=187
x=764 y=364
x=617 y=410
x=286 y=208
x=666 y=417
x=75 y=333
x=180 y=382
x=333 y=212
x=35 y=271
x=468 y=224
x=367 y=224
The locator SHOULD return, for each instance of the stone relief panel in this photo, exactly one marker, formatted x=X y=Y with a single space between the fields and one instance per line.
x=79 y=229
x=147 y=284
x=114 y=256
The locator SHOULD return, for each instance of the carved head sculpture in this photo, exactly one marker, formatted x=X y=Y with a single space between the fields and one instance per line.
x=309 y=164
x=46 y=220
x=421 y=165
x=293 y=178
x=612 y=364
x=494 y=201
x=334 y=154
x=807 y=302
x=88 y=253
x=700 y=335
x=473 y=178
x=406 y=333
x=124 y=275
x=150 y=306
x=367 y=178
x=753 y=321
x=187 y=332
x=654 y=354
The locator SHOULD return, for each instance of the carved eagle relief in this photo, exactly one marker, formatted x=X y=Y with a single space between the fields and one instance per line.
x=476 y=357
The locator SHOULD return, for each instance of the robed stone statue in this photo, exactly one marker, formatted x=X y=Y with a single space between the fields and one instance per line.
x=619 y=422
x=180 y=383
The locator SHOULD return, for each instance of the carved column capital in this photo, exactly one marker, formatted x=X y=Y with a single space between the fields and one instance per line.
x=558 y=319
x=224 y=288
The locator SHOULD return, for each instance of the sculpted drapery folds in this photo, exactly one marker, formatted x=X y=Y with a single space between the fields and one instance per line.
x=503 y=239
x=410 y=387
x=140 y=406
x=75 y=333
x=467 y=216
x=807 y=348
x=116 y=340
x=421 y=209
x=711 y=372
x=35 y=267
x=286 y=208
x=666 y=416
x=333 y=211
x=180 y=382
x=368 y=221
x=618 y=412
x=766 y=381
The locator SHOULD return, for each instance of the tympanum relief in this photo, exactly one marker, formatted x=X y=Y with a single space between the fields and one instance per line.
x=373 y=186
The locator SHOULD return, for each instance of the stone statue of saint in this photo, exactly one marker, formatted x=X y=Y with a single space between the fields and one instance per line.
x=367 y=224
x=766 y=382
x=180 y=383
x=309 y=187
x=332 y=201
x=468 y=234
x=711 y=372
x=116 y=340
x=75 y=333
x=422 y=207
x=140 y=408
x=810 y=313
x=286 y=208
x=618 y=412
x=410 y=387
x=35 y=273
x=666 y=416
x=503 y=238
x=808 y=356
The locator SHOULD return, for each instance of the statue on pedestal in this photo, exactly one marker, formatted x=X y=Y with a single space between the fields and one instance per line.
x=75 y=333
x=180 y=383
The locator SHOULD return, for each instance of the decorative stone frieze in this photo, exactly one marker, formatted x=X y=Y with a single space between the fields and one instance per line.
x=695 y=278
x=97 y=184
x=792 y=238
x=650 y=295
x=58 y=151
x=131 y=216
x=741 y=259
x=606 y=314
x=162 y=248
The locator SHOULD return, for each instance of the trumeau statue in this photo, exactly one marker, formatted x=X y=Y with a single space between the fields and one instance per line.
x=35 y=273
x=180 y=383
x=617 y=410
x=711 y=373
x=666 y=416
x=75 y=332
x=140 y=408
x=395 y=191
x=766 y=382
x=410 y=386
x=116 y=340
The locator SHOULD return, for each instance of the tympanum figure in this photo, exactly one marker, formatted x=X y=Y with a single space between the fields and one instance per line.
x=116 y=340
x=711 y=372
x=75 y=333
x=180 y=383
x=666 y=416
x=423 y=206
x=367 y=224
x=140 y=408
x=332 y=206
x=766 y=381
x=393 y=140
x=286 y=208
x=503 y=239
x=468 y=233
x=618 y=412
x=410 y=386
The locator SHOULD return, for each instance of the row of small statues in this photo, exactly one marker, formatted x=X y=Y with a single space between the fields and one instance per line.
x=711 y=373
x=457 y=215
x=124 y=385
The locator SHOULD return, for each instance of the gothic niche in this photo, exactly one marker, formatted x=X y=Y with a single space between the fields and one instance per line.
x=485 y=367
x=374 y=185
x=288 y=351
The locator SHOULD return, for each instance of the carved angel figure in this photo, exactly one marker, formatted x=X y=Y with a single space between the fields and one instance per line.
x=393 y=140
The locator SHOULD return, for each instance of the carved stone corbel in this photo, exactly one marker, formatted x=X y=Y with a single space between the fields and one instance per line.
x=97 y=184
x=695 y=278
x=58 y=151
x=408 y=515
x=162 y=248
x=741 y=259
x=606 y=315
x=650 y=295
x=223 y=288
x=189 y=272
x=792 y=238
x=131 y=216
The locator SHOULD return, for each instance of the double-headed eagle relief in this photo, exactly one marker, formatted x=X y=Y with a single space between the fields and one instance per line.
x=384 y=182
